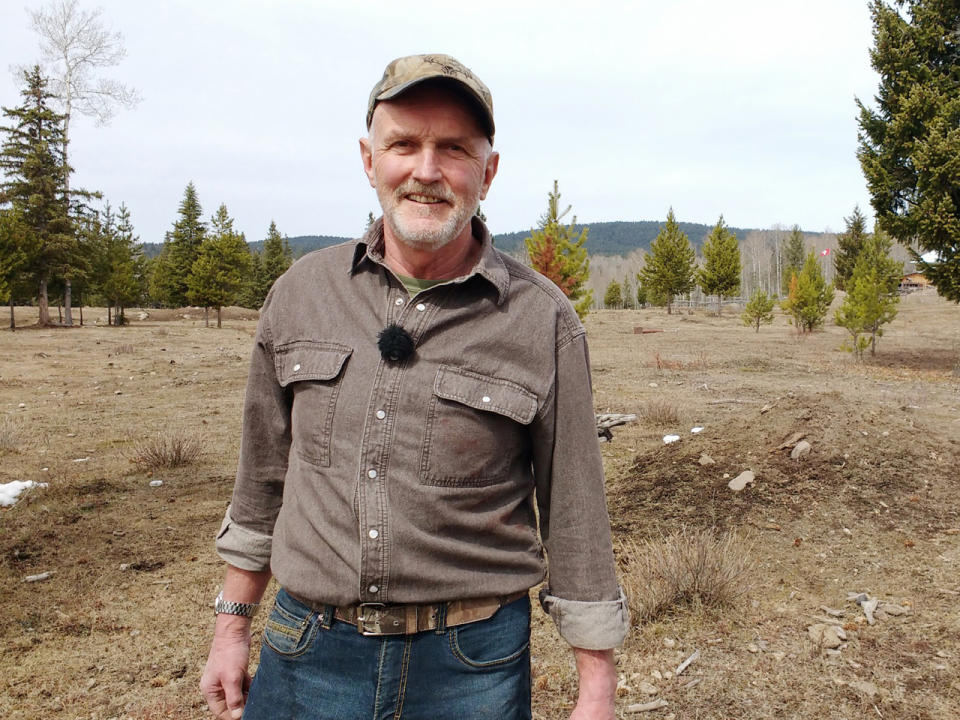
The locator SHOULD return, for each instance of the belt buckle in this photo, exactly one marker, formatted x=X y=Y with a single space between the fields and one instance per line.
x=371 y=617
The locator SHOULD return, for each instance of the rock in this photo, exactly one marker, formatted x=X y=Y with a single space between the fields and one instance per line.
x=741 y=480
x=766 y=409
x=646 y=707
x=653 y=385
x=156 y=483
x=826 y=636
x=647 y=688
x=752 y=648
x=800 y=450
x=657 y=675
x=707 y=460
x=669 y=642
x=864 y=687
x=895 y=610
x=868 y=607
x=142 y=316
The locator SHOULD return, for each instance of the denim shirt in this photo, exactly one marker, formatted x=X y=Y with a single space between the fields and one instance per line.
x=368 y=480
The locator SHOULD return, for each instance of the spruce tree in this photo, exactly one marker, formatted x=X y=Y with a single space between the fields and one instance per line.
x=613 y=297
x=17 y=247
x=809 y=296
x=222 y=265
x=557 y=252
x=669 y=268
x=124 y=279
x=32 y=159
x=759 y=309
x=181 y=246
x=848 y=248
x=794 y=252
x=872 y=296
x=628 y=293
x=720 y=274
x=277 y=257
x=910 y=143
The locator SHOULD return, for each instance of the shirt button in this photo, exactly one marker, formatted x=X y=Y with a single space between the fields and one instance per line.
x=374 y=534
x=485 y=398
x=421 y=307
x=296 y=368
x=381 y=414
x=373 y=589
x=398 y=301
x=371 y=474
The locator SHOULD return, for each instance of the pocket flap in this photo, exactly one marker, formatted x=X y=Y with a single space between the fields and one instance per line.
x=308 y=360
x=486 y=393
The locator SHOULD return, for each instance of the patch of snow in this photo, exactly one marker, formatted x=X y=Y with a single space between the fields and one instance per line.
x=10 y=492
x=696 y=430
x=667 y=439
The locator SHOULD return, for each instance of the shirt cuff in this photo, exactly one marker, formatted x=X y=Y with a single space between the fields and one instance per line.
x=243 y=548
x=589 y=625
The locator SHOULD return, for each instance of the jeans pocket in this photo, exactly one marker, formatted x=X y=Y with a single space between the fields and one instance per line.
x=291 y=626
x=502 y=639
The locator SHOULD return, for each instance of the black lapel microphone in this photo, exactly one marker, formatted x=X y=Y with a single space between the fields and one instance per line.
x=395 y=343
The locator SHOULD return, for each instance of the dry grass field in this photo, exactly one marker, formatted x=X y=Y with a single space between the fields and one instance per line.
x=120 y=628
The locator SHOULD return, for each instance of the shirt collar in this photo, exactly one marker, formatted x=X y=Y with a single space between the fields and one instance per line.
x=490 y=266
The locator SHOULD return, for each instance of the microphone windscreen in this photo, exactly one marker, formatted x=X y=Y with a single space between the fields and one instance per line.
x=395 y=343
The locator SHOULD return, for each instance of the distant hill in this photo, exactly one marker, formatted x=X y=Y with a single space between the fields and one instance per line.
x=604 y=238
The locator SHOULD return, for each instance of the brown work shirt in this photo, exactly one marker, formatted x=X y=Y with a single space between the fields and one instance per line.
x=368 y=480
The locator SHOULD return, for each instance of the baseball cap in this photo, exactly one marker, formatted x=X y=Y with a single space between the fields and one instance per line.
x=403 y=73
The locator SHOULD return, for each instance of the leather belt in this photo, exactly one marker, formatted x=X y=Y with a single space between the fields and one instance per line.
x=382 y=619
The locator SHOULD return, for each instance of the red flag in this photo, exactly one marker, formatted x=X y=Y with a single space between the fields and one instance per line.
x=826 y=251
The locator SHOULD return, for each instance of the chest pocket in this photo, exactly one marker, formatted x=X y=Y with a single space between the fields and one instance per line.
x=313 y=371
x=475 y=430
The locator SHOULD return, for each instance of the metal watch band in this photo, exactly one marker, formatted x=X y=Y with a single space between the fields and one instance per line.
x=234 y=608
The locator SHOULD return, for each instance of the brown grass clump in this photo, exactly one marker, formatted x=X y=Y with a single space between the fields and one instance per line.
x=660 y=413
x=9 y=435
x=697 y=568
x=167 y=451
x=123 y=349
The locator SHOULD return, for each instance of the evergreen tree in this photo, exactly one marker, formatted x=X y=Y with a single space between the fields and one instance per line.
x=910 y=144
x=613 y=297
x=17 y=247
x=872 y=295
x=277 y=257
x=794 y=252
x=557 y=252
x=124 y=280
x=32 y=160
x=181 y=246
x=848 y=248
x=641 y=294
x=669 y=268
x=222 y=264
x=720 y=274
x=759 y=309
x=809 y=297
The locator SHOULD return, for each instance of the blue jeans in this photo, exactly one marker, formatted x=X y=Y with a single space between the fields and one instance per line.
x=315 y=669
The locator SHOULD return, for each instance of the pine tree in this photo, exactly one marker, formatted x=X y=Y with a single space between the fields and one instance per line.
x=872 y=296
x=759 y=309
x=670 y=267
x=557 y=252
x=809 y=297
x=222 y=264
x=17 y=247
x=613 y=297
x=641 y=294
x=848 y=248
x=181 y=246
x=277 y=257
x=32 y=159
x=794 y=252
x=124 y=279
x=628 y=293
x=910 y=144
x=720 y=274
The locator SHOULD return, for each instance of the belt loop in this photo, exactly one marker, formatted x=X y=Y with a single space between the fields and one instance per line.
x=441 y=618
x=326 y=617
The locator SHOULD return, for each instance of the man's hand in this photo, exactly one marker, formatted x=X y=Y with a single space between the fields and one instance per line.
x=598 y=685
x=225 y=680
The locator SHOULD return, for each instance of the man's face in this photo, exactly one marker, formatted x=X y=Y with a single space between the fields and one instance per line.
x=430 y=163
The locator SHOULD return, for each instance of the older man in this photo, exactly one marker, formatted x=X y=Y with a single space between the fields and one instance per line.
x=414 y=398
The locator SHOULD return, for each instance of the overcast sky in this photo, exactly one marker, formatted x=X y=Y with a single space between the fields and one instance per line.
x=740 y=107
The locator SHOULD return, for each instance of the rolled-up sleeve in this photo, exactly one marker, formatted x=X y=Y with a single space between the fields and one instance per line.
x=245 y=537
x=583 y=597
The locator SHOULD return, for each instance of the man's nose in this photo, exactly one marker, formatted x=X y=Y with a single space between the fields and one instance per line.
x=427 y=169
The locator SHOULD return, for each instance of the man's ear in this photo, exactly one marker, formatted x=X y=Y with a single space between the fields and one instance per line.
x=366 y=155
x=489 y=172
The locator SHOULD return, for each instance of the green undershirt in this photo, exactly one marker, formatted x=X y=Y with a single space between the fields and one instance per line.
x=416 y=285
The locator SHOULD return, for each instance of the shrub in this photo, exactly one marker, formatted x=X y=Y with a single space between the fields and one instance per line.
x=660 y=413
x=9 y=435
x=686 y=569
x=166 y=451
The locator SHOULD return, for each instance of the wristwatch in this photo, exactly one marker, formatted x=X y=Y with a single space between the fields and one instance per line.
x=234 y=608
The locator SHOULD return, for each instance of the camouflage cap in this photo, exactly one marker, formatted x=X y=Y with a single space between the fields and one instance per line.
x=403 y=73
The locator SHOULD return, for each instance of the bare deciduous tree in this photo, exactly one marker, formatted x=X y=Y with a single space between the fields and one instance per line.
x=75 y=44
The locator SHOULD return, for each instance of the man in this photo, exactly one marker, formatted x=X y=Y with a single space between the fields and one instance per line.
x=412 y=397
